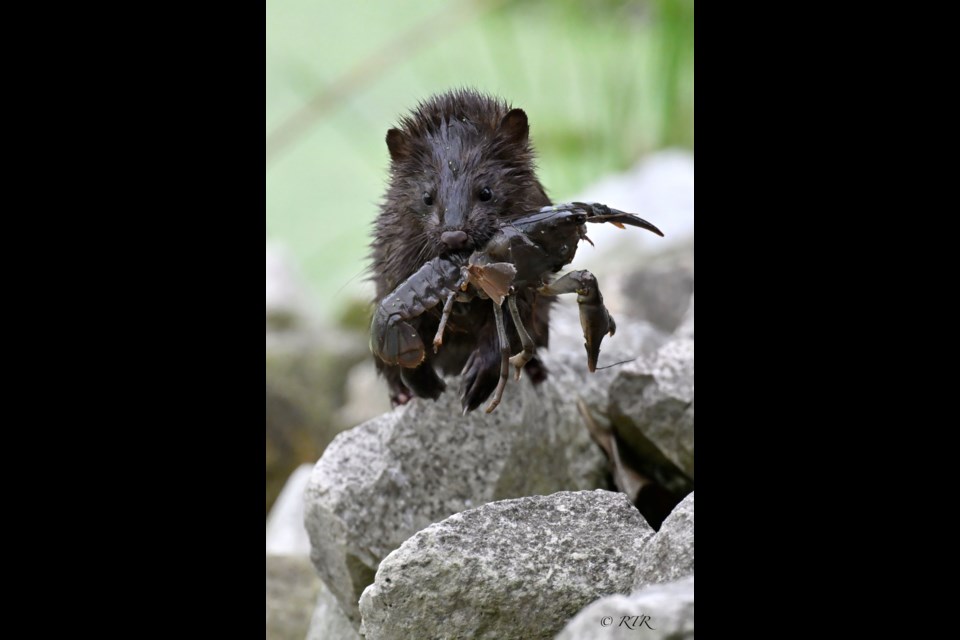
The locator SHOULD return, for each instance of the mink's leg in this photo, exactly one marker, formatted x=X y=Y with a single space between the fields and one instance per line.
x=481 y=371
x=537 y=308
x=399 y=393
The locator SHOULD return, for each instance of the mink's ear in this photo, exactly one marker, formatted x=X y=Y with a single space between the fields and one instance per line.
x=399 y=144
x=514 y=126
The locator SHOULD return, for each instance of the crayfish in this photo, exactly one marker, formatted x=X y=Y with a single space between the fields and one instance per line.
x=523 y=254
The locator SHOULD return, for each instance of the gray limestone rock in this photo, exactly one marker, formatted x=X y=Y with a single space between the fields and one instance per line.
x=659 y=291
x=659 y=189
x=685 y=330
x=285 y=532
x=285 y=298
x=329 y=622
x=306 y=360
x=366 y=394
x=379 y=483
x=651 y=406
x=669 y=554
x=658 y=612
x=510 y=569
x=292 y=590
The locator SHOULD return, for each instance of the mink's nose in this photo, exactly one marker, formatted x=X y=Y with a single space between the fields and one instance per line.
x=454 y=239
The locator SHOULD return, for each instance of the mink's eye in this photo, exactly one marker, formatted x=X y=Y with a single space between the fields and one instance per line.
x=485 y=194
x=427 y=199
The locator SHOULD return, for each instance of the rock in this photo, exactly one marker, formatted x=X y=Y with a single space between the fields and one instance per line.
x=367 y=394
x=285 y=532
x=659 y=189
x=668 y=555
x=685 y=330
x=658 y=612
x=328 y=622
x=379 y=483
x=292 y=590
x=306 y=363
x=297 y=414
x=659 y=290
x=651 y=409
x=510 y=569
x=639 y=273
x=286 y=302
x=294 y=321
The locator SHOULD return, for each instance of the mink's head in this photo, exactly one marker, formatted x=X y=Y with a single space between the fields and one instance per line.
x=459 y=163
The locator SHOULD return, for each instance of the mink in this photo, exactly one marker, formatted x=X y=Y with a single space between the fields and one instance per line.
x=461 y=163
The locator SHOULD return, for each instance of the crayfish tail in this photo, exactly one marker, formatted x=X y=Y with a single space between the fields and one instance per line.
x=399 y=343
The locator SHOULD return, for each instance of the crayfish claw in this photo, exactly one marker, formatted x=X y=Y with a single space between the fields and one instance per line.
x=595 y=320
x=597 y=212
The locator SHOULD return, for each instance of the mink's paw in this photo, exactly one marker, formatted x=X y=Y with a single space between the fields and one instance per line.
x=536 y=370
x=480 y=377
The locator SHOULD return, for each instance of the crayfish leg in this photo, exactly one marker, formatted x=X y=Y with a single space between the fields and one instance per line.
x=569 y=283
x=447 y=308
x=529 y=348
x=504 y=359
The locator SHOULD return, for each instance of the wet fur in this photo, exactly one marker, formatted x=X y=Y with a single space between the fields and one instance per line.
x=451 y=147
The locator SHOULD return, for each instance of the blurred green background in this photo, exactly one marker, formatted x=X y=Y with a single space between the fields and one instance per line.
x=604 y=82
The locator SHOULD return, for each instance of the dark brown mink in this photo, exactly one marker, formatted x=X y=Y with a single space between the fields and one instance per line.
x=460 y=163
